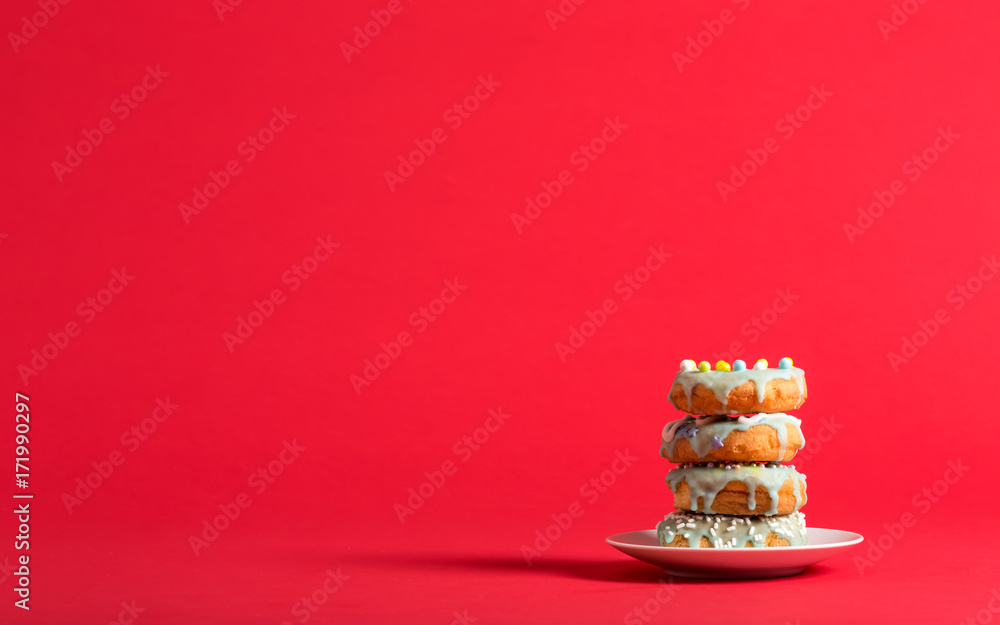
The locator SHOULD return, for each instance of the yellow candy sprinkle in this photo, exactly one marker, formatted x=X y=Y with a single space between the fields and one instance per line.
x=704 y=366
x=762 y=361
x=722 y=365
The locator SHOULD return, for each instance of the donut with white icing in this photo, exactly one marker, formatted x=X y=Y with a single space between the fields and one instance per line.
x=720 y=531
x=746 y=391
x=744 y=438
x=738 y=489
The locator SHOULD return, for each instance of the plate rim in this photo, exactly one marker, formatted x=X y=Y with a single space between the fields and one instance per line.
x=857 y=539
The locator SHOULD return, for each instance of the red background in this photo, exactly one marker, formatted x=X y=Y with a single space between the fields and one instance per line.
x=324 y=175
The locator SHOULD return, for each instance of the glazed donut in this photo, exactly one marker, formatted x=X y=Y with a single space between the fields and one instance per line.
x=739 y=489
x=702 y=391
x=719 y=531
x=747 y=438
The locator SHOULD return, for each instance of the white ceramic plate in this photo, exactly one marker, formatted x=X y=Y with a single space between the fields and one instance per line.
x=735 y=563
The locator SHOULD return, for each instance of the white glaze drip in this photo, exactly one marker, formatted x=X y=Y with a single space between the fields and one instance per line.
x=711 y=426
x=732 y=532
x=721 y=383
x=705 y=482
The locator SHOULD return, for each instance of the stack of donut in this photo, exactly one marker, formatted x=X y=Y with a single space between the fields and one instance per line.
x=730 y=488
